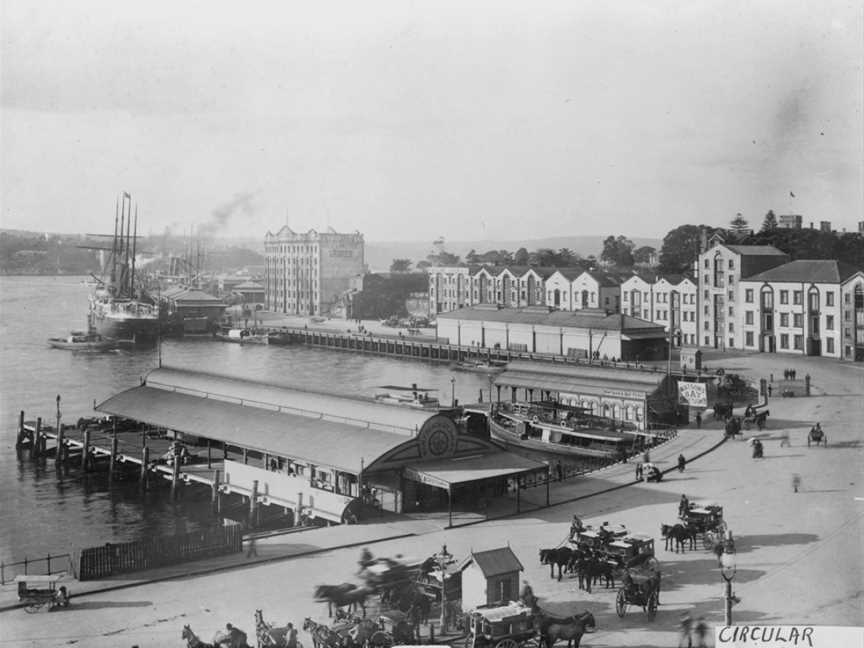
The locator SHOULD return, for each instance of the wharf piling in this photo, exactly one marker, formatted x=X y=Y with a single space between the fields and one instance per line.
x=215 y=493
x=37 y=439
x=85 y=451
x=253 y=504
x=22 y=435
x=112 y=461
x=145 y=462
x=58 y=448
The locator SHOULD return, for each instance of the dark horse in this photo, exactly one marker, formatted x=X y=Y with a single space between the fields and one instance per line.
x=679 y=534
x=559 y=556
x=344 y=595
x=553 y=629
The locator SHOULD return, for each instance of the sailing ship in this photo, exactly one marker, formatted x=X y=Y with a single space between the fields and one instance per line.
x=117 y=310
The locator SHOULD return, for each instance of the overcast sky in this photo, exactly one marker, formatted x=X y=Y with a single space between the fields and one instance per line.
x=414 y=120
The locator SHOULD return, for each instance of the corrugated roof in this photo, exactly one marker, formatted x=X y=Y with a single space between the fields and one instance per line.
x=755 y=250
x=494 y=562
x=459 y=470
x=316 y=440
x=193 y=295
x=573 y=384
x=807 y=271
x=249 y=285
x=566 y=319
x=604 y=278
x=390 y=418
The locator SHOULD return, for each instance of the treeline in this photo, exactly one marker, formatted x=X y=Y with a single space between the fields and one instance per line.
x=33 y=254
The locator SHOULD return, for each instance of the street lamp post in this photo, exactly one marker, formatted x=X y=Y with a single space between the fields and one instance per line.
x=727 y=569
x=442 y=560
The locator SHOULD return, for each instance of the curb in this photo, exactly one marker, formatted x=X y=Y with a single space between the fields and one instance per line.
x=217 y=569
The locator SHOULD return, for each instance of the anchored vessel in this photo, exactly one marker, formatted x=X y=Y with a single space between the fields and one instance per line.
x=117 y=310
x=81 y=341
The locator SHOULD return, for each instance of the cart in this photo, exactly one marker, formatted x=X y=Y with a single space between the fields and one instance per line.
x=631 y=550
x=641 y=587
x=37 y=592
x=503 y=626
x=398 y=627
x=707 y=521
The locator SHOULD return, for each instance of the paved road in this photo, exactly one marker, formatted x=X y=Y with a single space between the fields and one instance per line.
x=799 y=554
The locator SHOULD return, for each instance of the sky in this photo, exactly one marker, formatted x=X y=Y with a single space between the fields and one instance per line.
x=411 y=120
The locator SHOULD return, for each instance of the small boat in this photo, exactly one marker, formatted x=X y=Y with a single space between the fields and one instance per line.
x=493 y=366
x=81 y=341
x=241 y=335
x=413 y=396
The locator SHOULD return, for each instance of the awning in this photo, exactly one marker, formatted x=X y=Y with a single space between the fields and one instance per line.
x=448 y=472
x=315 y=440
x=588 y=385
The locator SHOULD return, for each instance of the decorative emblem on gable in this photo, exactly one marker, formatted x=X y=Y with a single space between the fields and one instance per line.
x=437 y=438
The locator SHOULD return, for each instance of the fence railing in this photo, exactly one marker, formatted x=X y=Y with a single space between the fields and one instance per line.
x=112 y=559
x=41 y=566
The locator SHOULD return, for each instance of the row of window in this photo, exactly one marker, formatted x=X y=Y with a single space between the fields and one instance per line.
x=797 y=297
x=785 y=338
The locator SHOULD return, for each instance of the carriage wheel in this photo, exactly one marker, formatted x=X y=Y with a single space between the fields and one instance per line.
x=507 y=643
x=652 y=605
x=34 y=606
x=621 y=603
x=381 y=640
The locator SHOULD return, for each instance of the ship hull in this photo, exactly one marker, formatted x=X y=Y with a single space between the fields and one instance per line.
x=141 y=331
x=511 y=439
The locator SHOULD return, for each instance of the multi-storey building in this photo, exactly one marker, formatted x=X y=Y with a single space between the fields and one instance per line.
x=790 y=221
x=637 y=297
x=852 y=291
x=797 y=308
x=449 y=288
x=452 y=287
x=675 y=307
x=307 y=273
x=719 y=271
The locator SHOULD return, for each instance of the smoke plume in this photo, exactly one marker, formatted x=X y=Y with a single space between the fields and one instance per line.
x=239 y=205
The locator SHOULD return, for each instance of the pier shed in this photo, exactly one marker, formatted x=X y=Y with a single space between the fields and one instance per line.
x=490 y=577
x=322 y=452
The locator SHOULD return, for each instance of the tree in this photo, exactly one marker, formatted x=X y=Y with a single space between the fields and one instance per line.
x=739 y=226
x=770 y=222
x=544 y=257
x=472 y=256
x=443 y=258
x=681 y=247
x=617 y=251
x=400 y=265
x=644 y=254
x=521 y=257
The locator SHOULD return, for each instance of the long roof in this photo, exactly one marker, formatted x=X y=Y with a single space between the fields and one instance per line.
x=807 y=271
x=356 y=411
x=312 y=439
x=578 y=379
x=754 y=250
x=459 y=470
x=567 y=319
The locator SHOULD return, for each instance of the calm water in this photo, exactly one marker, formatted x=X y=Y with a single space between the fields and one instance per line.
x=42 y=512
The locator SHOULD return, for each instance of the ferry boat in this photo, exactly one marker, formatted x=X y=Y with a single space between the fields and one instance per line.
x=573 y=432
x=479 y=366
x=241 y=335
x=413 y=396
x=81 y=341
x=116 y=310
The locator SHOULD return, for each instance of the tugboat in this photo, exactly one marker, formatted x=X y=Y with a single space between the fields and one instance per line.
x=413 y=396
x=81 y=341
x=116 y=310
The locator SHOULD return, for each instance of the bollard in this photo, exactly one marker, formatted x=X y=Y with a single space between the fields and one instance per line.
x=20 y=440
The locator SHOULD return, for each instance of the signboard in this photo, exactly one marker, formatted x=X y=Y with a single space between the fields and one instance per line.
x=623 y=393
x=777 y=636
x=691 y=393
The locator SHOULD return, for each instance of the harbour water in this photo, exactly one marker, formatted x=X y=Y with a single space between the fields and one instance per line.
x=41 y=511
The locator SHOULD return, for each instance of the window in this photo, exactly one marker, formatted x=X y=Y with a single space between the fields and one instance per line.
x=731 y=327
x=707 y=263
x=829 y=298
x=626 y=297
x=706 y=327
x=797 y=297
x=707 y=339
x=731 y=279
x=731 y=342
x=731 y=311
x=731 y=264
x=784 y=319
x=847 y=298
x=829 y=345
x=829 y=322
x=798 y=320
x=784 y=296
x=731 y=295
x=784 y=340
x=748 y=338
x=847 y=332
x=799 y=342
x=748 y=317
x=748 y=295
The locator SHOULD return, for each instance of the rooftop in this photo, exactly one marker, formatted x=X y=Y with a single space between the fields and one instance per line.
x=494 y=562
x=755 y=250
x=597 y=320
x=808 y=271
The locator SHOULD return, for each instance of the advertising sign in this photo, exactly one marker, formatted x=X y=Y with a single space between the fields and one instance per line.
x=691 y=393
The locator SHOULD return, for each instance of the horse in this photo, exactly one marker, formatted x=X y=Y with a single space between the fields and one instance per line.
x=817 y=436
x=559 y=556
x=192 y=640
x=679 y=534
x=322 y=636
x=344 y=595
x=572 y=628
x=267 y=635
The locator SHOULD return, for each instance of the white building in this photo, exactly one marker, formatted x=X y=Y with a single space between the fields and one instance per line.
x=307 y=273
x=720 y=268
x=797 y=308
x=852 y=291
x=637 y=297
x=675 y=307
x=595 y=289
x=449 y=288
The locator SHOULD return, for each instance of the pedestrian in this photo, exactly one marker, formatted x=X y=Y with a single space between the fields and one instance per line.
x=559 y=471
x=698 y=420
x=784 y=439
x=646 y=456
x=796 y=482
x=700 y=630
x=770 y=389
x=251 y=549
x=681 y=463
x=683 y=506
x=291 y=636
x=638 y=471
x=685 y=626
x=794 y=373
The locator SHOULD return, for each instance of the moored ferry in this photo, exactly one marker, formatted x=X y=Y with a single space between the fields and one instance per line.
x=413 y=396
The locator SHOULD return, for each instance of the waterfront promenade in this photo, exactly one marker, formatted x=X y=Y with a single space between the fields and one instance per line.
x=799 y=555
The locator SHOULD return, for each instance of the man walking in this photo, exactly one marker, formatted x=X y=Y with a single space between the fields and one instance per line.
x=251 y=549
x=685 y=626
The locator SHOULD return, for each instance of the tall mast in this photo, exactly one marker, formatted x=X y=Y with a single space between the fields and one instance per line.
x=134 y=247
x=121 y=268
x=128 y=229
x=114 y=245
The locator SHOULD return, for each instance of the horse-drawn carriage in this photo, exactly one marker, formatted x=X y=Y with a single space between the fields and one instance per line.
x=757 y=417
x=817 y=436
x=707 y=521
x=640 y=586
x=503 y=626
x=37 y=592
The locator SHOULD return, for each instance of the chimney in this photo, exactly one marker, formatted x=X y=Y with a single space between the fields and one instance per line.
x=703 y=242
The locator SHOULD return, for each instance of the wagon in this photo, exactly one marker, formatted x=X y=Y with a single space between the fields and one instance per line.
x=631 y=550
x=503 y=626
x=708 y=522
x=398 y=627
x=42 y=591
x=640 y=588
